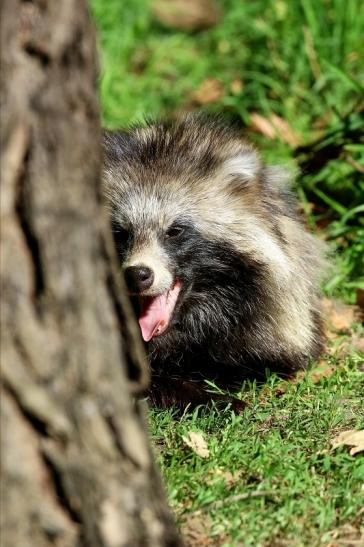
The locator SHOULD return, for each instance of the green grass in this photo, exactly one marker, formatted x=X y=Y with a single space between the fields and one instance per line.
x=268 y=44
x=303 y=61
x=280 y=445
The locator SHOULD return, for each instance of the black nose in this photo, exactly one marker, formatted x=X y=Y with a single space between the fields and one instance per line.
x=138 y=278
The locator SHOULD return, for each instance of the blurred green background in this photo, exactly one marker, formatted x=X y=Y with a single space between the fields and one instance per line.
x=291 y=72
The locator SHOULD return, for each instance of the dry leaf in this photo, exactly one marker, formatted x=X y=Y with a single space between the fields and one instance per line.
x=187 y=14
x=275 y=127
x=197 y=443
x=262 y=125
x=196 y=530
x=350 y=438
x=210 y=91
x=322 y=370
x=229 y=478
x=340 y=316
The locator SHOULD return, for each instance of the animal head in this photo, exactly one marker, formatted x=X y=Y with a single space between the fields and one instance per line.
x=202 y=227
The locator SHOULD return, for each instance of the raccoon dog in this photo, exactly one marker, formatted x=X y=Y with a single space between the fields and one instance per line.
x=223 y=274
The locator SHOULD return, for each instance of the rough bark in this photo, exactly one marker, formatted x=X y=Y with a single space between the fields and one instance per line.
x=76 y=464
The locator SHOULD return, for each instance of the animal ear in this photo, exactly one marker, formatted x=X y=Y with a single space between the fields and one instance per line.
x=243 y=166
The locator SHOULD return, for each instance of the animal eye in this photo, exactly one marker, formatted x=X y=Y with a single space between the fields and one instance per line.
x=174 y=231
x=121 y=235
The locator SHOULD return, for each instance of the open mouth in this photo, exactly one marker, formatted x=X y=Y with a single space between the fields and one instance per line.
x=156 y=312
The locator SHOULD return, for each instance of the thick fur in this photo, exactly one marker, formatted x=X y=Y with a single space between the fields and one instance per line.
x=249 y=268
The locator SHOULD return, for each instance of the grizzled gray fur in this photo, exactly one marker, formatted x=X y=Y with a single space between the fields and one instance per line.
x=223 y=274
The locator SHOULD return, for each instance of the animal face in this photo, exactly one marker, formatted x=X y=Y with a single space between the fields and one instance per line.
x=173 y=224
x=185 y=283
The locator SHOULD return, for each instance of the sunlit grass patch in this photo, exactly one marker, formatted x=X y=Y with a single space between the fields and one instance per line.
x=276 y=455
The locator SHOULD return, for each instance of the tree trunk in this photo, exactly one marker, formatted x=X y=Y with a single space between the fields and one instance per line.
x=76 y=464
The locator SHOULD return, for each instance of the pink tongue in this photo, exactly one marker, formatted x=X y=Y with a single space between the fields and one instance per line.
x=157 y=311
